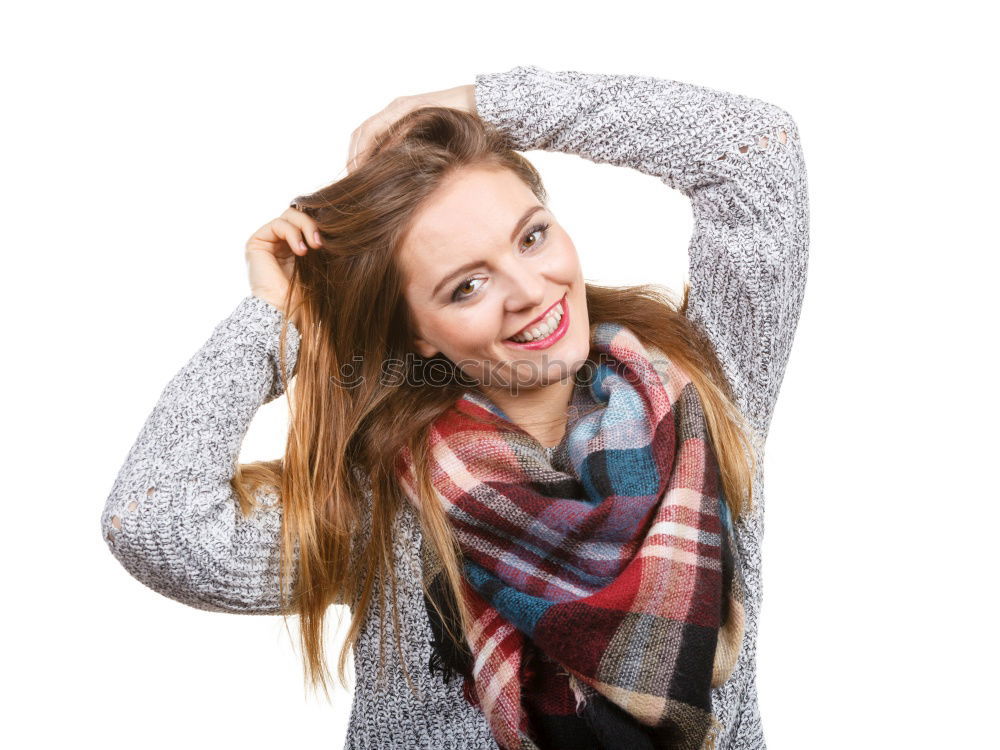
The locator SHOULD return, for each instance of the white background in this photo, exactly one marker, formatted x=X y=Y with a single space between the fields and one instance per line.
x=144 y=142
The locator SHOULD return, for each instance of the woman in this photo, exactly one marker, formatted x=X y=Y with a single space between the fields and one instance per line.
x=554 y=488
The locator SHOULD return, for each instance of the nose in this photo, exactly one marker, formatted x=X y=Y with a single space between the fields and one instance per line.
x=525 y=291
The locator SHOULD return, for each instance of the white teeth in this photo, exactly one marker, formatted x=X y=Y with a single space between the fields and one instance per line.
x=545 y=328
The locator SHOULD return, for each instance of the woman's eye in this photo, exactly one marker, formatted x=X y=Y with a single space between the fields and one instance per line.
x=537 y=229
x=460 y=291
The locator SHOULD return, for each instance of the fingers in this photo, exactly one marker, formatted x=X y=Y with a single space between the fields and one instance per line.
x=359 y=141
x=263 y=240
x=275 y=235
x=307 y=230
x=291 y=234
x=459 y=97
x=361 y=138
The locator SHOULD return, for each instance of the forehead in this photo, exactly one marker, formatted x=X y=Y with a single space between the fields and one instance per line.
x=472 y=212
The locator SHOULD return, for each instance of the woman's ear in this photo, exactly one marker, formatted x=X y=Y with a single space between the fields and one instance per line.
x=424 y=349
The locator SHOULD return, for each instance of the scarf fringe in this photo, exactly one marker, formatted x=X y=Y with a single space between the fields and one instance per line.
x=711 y=739
x=578 y=693
x=579 y=690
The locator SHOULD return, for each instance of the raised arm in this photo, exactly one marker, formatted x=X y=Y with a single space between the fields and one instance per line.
x=737 y=158
x=172 y=519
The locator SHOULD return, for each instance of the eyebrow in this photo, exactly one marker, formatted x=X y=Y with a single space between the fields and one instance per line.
x=532 y=210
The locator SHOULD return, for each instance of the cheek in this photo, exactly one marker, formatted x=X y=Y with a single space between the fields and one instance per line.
x=568 y=263
x=566 y=269
x=471 y=332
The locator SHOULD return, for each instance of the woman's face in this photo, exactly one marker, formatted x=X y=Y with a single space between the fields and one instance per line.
x=483 y=262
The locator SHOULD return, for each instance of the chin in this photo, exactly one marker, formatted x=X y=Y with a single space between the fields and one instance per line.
x=566 y=364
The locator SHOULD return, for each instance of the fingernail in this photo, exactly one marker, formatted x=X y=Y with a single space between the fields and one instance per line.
x=302 y=246
x=316 y=237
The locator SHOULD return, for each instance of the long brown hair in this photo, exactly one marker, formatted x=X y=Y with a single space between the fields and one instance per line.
x=348 y=421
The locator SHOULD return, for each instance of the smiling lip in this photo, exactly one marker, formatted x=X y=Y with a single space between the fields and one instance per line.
x=552 y=337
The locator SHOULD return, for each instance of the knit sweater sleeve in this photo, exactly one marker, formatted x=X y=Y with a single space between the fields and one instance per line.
x=737 y=158
x=172 y=518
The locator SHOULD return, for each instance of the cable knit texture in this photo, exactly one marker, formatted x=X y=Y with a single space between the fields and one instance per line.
x=174 y=523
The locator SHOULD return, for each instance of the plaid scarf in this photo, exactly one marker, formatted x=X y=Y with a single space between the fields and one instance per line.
x=602 y=574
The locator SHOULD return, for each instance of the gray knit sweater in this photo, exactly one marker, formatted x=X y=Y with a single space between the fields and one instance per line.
x=173 y=522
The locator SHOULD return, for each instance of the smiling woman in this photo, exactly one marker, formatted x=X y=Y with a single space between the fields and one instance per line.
x=561 y=501
x=441 y=244
x=506 y=283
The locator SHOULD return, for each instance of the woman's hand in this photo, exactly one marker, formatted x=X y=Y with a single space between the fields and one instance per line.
x=271 y=251
x=459 y=97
